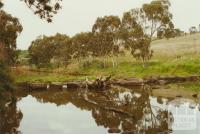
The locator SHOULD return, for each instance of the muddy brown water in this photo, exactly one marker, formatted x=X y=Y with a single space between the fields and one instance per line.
x=118 y=110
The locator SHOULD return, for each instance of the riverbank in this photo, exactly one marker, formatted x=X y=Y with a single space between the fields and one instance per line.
x=188 y=66
x=174 y=57
x=101 y=84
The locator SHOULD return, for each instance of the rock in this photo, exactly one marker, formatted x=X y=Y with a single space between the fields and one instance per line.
x=38 y=86
x=55 y=85
x=22 y=85
x=71 y=85
x=151 y=80
x=114 y=130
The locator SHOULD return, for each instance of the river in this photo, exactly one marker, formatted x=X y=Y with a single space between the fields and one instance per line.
x=118 y=110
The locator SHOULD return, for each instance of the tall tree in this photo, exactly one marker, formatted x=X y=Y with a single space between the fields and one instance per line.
x=134 y=38
x=64 y=50
x=154 y=16
x=10 y=29
x=105 y=39
x=142 y=24
x=42 y=51
x=81 y=44
x=105 y=30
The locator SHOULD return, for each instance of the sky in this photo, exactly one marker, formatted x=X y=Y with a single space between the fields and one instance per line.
x=79 y=16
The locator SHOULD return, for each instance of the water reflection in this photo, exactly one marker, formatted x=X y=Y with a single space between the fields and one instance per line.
x=118 y=110
x=10 y=119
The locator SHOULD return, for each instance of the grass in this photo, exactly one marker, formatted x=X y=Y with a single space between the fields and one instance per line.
x=174 y=57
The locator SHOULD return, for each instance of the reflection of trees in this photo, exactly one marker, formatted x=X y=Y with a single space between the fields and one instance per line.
x=146 y=118
x=10 y=119
x=121 y=109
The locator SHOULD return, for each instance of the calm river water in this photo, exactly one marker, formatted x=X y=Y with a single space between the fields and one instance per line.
x=118 y=110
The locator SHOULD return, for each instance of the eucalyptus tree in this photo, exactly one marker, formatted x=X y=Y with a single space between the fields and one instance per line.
x=134 y=38
x=154 y=16
x=105 y=31
x=142 y=24
x=45 y=9
x=47 y=49
x=10 y=28
x=81 y=44
x=41 y=51
x=64 y=51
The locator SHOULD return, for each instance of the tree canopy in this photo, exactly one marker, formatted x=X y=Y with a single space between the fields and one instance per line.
x=105 y=32
x=134 y=32
x=10 y=29
x=140 y=25
x=45 y=9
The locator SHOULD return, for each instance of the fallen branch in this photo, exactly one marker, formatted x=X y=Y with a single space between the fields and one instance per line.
x=99 y=84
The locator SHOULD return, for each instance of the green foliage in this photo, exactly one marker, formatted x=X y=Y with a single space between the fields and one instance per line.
x=154 y=16
x=134 y=32
x=60 y=49
x=82 y=45
x=135 y=39
x=45 y=9
x=10 y=29
x=140 y=25
x=41 y=51
x=169 y=33
x=63 y=49
x=127 y=67
x=23 y=57
x=105 y=41
x=44 y=49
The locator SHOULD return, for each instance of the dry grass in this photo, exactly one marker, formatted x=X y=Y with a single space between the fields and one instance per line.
x=177 y=47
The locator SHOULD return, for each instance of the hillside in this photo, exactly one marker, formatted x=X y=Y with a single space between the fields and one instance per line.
x=180 y=46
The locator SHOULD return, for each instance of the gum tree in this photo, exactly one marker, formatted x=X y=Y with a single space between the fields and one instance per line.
x=45 y=9
x=81 y=44
x=142 y=24
x=105 y=36
x=10 y=28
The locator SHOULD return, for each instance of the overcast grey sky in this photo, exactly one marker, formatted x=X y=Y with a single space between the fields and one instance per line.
x=79 y=16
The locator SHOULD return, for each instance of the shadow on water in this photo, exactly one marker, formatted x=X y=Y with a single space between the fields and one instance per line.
x=10 y=119
x=118 y=110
